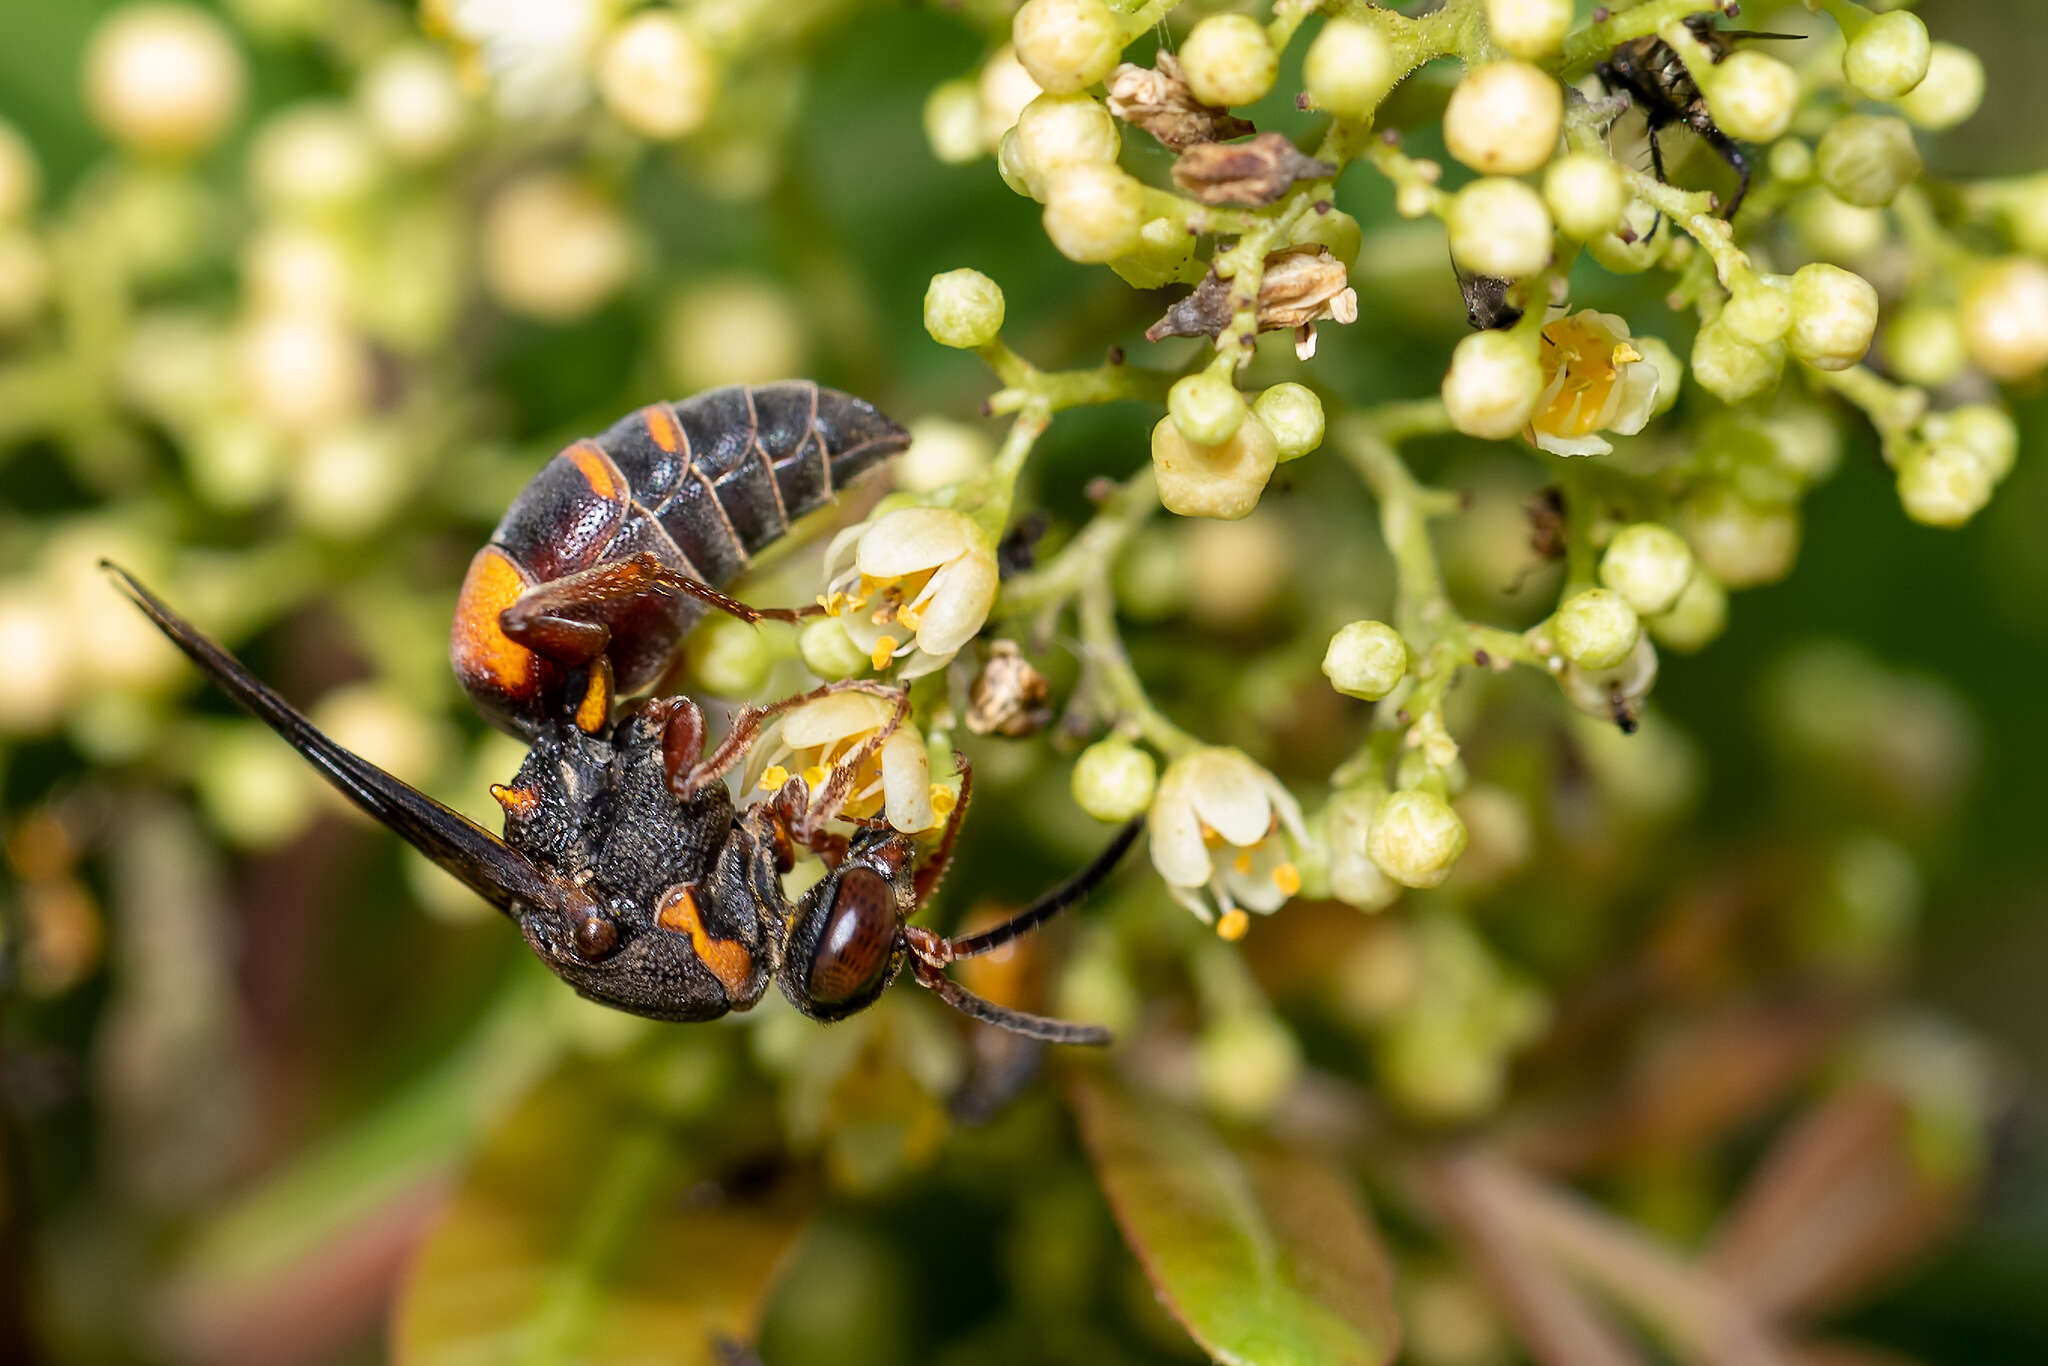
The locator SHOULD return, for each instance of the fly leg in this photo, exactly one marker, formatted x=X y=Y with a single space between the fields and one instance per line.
x=1737 y=158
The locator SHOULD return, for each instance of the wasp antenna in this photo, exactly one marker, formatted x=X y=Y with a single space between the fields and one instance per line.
x=1046 y=907
x=494 y=871
x=1031 y=1026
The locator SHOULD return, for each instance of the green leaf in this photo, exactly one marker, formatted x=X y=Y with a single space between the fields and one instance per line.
x=581 y=1234
x=1264 y=1255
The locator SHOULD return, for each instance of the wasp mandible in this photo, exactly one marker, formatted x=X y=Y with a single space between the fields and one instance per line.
x=625 y=862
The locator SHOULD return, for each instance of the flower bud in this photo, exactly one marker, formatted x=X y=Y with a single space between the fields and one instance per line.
x=1222 y=481
x=1093 y=213
x=1834 y=316
x=2005 y=318
x=1245 y=1064
x=1366 y=659
x=1500 y=227
x=1595 y=629
x=963 y=309
x=1760 y=311
x=1349 y=69
x=1649 y=565
x=1529 y=28
x=1943 y=483
x=1206 y=407
x=1889 y=56
x=1988 y=432
x=1003 y=88
x=1741 y=543
x=1866 y=159
x=1697 y=619
x=1951 y=92
x=1493 y=386
x=828 y=651
x=1644 y=249
x=1751 y=96
x=1336 y=232
x=941 y=452
x=163 y=78
x=21 y=179
x=1228 y=61
x=1614 y=693
x=303 y=373
x=727 y=657
x=25 y=278
x=952 y=122
x=1346 y=825
x=1586 y=195
x=313 y=159
x=657 y=76
x=1160 y=258
x=1294 y=415
x=1114 y=780
x=1415 y=838
x=732 y=329
x=1836 y=231
x=253 y=790
x=1924 y=344
x=1055 y=131
x=1066 y=45
x=1504 y=118
x=413 y=105
x=1730 y=368
x=553 y=248
x=1010 y=166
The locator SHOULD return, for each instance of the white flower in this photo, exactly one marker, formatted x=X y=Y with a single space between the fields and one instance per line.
x=537 y=53
x=1220 y=825
x=820 y=736
x=1594 y=381
x=920 y=586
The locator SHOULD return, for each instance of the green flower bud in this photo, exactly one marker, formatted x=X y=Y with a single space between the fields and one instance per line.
x=26 y=275
x=1636 y=255
x=942 y=452
x=1760 y=311
x=1951 y=92
x=1697 y=619
x=1493 y=386
x=1504 y=118
x=1730 y=368
x=1752 y=96
x=1349 y=69
x=1336 y=231
x=728 y=657
x=1499 y=227
x=1924 y=343
x=254 y=790
x=1834 y=316
x=1889 y=56
x=1366 y=659
x=1415 y=838
x=1355 y=879
x=963 y=308
x=1054 y=131
x=828 y=651
x=1586 y=195
x=1228 y=61
x=1943 y=484
x=1245 y=1064
x=1066 y=45
x=1114 y=780
x=1987 y=431
x=1433 y=1067
x=1206 y=407
x=1866 y=159
x=1294 y=415
x=1743 y=544
x=1791 y=161
x=1529 y=29
x=1614 y=693
x=1649 y=565
x=1093 y=213
x=1222 y=481
x=1595 y=629
x=952 y=121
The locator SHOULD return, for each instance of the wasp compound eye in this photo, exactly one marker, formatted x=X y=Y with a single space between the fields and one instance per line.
x=596 y=937
x=859 y=938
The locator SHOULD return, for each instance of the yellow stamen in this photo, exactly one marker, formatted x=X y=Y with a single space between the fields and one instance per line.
x=1624 y=354
x=1243 y=862
x=773 y=779
x=942 y=799
x=1209 y=835
x=1233 y=924
x=911 y=615
x=831 y=602
x=1288 y=879
x=884 y=651
x=814 y=777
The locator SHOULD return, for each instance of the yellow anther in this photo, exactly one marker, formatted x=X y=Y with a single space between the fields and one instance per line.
x=1287 y=878
x=911 y=615
x=1624 y=354
x=773 y=779
x=1243 y=862
x=1232 y=925
x=814 y=776
x=1209 y=835
x=884 y=651
x=832 y=602
x=942 y=798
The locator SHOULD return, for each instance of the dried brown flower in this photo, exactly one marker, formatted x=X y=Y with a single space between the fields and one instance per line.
x=1301 y=286
x=1008 y=696
x=1255 y=172
x=1157 y=99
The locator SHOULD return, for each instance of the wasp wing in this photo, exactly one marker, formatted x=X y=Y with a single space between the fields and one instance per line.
x=485 y=863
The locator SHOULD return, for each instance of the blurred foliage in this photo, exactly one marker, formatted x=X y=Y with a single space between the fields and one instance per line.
x=1715 y=1035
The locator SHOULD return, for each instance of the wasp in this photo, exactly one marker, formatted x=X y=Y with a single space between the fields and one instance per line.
x=1656 y=78
x=625 y=862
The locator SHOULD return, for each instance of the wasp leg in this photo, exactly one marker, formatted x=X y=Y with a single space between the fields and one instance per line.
x=563 y=618
x=685 y=780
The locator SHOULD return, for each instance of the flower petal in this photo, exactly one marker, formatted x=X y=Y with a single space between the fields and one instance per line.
x=1570 y=445
x=1638 y=387
x=1176 y=831
x=1231 y=795
x=907 y=782
x=961 y=594
x=910 y=539
x=834 y=717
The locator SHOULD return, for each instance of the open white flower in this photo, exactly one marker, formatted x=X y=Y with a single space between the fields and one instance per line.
x=1220 y=828
x=820 y=736
x=537 y=53
x=1594 y=381
x=919 y=587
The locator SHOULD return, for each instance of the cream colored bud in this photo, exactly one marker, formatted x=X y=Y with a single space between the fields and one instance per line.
x=1595 y=629
x=1648 y=565
x=1529 y=28
x=1504 y=118
x=1752 y=96
x=1732 y=369
x=942 y=453
x=163 y=78
x=1366 y=659
x=1741 y=543
x=303 y=372
x=657 y=76
x=828 y=651
x=1349 y=69
x=963 y=309
x=413 y=105
x=1889 y=57
x=1222 y=481
x=1093 y=213
x=2005 y=318
x=1987 y=432
x=1415 y=838
x=1493 y=386
x=1944 y=484
x=1834 y=317
x=1866 y=160
x=1206 y=407
x=952 y=122
x=1004 y=87
x=1950 y=93
x=1760 y=311
x=348 y=481
x=1294 y=415
x=1499 y=227
x=1057 y=131
x=1114 y=780
x=1586 y=194
x=732 y=329
x=1228 y=61
x=1836 y=231
x=313 y=159
x=553 y=247
x=1697 y=619
x=1067 y=45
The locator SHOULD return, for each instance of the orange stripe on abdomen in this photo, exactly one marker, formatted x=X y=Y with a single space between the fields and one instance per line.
x=503 y=677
